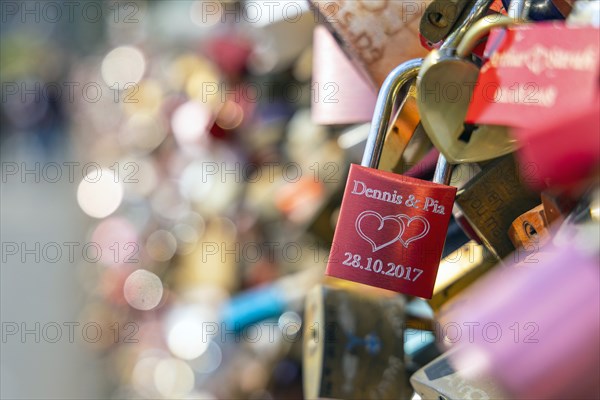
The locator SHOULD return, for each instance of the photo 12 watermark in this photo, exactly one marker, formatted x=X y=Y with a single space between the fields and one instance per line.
x=53 y=12
x=68 y=92
x=271 y=172
x=69 y=171
x=68 y=332
x=70 y=252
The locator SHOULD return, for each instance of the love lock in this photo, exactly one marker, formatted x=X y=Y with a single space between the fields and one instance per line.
x=445 y=85
x=391 y=228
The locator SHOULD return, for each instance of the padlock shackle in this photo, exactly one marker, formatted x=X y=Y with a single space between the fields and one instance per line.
x=443 y=171
x=396 y=85
x=519 y=9
x=478 y=11
x=479 y=30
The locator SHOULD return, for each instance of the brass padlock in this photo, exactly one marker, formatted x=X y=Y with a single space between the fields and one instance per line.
x=530 y=230
x=445 y=85
x=492 y=200
x=459 y=270
x=440 y=19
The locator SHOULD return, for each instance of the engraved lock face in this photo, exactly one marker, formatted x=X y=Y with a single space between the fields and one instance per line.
x=493 y=199
x=391 y=231
x=445 y=85
x=353 y=345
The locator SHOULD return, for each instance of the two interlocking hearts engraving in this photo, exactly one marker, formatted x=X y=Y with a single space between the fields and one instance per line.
x=391 y=232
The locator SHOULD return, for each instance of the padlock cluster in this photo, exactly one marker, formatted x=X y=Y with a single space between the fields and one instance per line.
x=323 y=199
x=477 y=200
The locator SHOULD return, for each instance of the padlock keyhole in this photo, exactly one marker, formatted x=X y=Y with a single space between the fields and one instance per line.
x=529 y=229
x=467 y=132
x=438 y=20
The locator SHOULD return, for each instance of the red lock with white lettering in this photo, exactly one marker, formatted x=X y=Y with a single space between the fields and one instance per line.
x=392 y=228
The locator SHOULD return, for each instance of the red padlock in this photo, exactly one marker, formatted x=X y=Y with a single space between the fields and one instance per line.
x=392 y=228
x=536 y=72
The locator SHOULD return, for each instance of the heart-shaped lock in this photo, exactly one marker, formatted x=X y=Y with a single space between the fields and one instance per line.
x=444 y=88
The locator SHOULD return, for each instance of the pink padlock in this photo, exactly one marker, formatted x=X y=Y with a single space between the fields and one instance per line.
x=534 y=326
x=340 y=93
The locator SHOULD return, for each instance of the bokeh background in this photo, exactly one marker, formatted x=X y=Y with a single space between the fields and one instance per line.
x=159 y=161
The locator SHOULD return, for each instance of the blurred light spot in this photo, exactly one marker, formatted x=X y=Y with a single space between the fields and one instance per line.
x=299 y=200
x=187 y=238
x=123 y=65
x=190 y=122
x=204 y=85
x=173 y=378
x=595 y=208
x=117 y=238
x=100 y=193
x=143 y=290
x=208 y=294
x=187 y=339
x=263 y=60
x=145 y=97
x=211 y=192
x=182 y=68
x=139 y=176
x=161 y=245
x=209 y=361
x=289 y=323
x=206 y=13
x=167 y=202
x=142 y=376
x=143 y=132
x=230 y=116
